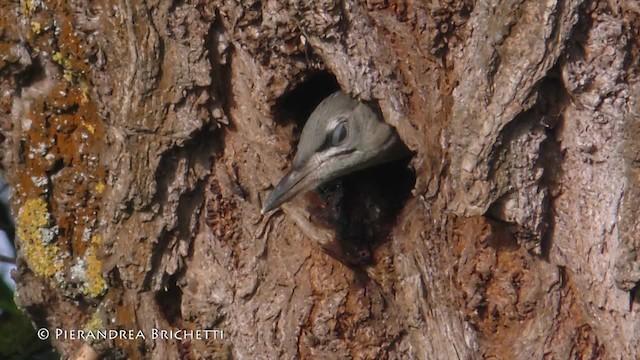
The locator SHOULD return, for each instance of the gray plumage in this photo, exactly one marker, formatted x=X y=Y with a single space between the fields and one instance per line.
x=341 y=136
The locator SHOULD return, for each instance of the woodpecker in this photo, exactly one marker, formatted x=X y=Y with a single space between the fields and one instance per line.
x=341 y=136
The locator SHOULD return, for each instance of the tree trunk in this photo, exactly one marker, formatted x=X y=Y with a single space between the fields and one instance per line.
x=141 y=139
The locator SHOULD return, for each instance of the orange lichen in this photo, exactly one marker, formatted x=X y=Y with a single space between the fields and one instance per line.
x=61 y=145
x=33 y=224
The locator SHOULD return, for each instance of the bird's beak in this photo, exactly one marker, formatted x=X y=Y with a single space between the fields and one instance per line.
x=290 y=185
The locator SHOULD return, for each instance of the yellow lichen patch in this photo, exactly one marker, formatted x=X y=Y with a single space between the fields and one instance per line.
x=36 y=27
x=84 y=99
x=90 y=128
x=60 y=60
x=28 y=7
x=68 y=75
x=41 y=256
x=100 y=187
x=65 y=135
x=95 y=324
x=94 y=283
x=66 y=65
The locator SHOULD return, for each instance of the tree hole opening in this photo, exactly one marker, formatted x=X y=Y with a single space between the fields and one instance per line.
x=361 y=207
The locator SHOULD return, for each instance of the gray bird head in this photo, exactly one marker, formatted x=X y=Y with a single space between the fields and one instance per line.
x=341 y=136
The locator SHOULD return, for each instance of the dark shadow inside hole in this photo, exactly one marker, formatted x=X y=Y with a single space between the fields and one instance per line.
x=169 y=301
x=635 y=296
x=362 y=207
x=298 y=104
x=32 y=74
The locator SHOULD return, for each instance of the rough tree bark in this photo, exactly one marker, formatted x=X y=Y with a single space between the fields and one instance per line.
x=142 y=137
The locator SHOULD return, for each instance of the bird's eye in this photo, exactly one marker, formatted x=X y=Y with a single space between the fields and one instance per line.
x=339 y=134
